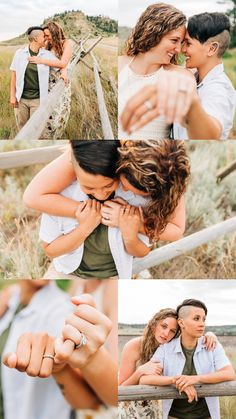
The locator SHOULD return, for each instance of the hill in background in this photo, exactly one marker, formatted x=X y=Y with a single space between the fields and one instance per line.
x=136 y=329
x=76 y=24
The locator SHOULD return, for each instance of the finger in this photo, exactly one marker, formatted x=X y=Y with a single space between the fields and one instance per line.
x=23 y=351
x=162 y=89
x=39 y=342
x=47 y=363
x=64 y=350
x=10 y=360
x=171 y=100
x=81 y=207
x=143 y=121
x=107 y=223
x=83 y=299
x=183 y=104
x=133 y=104
x=142 y=111
x=70 y=332
x=88 y=314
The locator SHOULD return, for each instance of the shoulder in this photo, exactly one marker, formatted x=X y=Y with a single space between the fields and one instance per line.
x=132 y=347
x=180 y=70
x=68 y=43
x=123 y=60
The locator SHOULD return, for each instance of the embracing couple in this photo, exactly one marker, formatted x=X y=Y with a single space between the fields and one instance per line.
x=106 y=202
x=159 y=99
x=174 y=350
x=35 y=69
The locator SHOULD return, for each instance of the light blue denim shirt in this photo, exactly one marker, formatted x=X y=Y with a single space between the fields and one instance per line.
x=172 y=359
x=19 y=64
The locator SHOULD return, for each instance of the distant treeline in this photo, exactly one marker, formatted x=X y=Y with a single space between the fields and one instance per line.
x=104 y=23
x=226 y=330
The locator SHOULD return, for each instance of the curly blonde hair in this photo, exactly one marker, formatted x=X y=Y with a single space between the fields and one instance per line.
x=149 y=343
x=156 y=21
x=58 y=37
x=161 y=168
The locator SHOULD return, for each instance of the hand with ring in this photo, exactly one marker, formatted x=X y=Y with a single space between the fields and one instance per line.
x=130 y=222
x=85 y=331
x=172 y=97
x=110 y=212
x=34 y=355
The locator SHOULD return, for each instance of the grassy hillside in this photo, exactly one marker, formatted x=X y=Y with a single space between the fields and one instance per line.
x=75 y=24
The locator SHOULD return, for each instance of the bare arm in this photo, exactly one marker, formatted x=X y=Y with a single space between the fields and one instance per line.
x=176 y=226
x=89 y=217
x=43 y=191
x=209 y=128
x=129 y=375
x=102 y=366
x=156 y=380
x=129 y=224
x=13 y=100
x=72 y=384
x=59 y=63
x=110 y=304
x=223 y=374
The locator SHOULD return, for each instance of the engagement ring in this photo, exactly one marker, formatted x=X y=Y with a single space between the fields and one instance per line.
x=148 y=105
x=83 y=341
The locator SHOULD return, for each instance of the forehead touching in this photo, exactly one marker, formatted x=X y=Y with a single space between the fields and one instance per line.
x=178 y=33
x=189 y=311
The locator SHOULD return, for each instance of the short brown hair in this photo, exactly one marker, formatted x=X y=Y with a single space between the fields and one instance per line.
x=156 y=21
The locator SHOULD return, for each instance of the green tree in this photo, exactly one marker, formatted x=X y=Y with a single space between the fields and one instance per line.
x=231 y=12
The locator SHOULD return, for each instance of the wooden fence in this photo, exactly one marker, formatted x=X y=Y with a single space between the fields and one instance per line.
x=33 y=129
x=155 y=257
x=141 y=392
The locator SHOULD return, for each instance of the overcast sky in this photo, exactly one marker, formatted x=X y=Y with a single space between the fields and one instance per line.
x=129 y=11
x=139 y=300
x=17 y=16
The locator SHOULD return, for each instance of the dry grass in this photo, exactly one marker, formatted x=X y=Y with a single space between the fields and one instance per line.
x=207 y=203
x=84 y=119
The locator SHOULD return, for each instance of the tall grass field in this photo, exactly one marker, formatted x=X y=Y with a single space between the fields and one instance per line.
x=84 y=121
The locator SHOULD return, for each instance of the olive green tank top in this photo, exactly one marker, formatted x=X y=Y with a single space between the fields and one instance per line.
x=97 y=260
x=180 y=407
x=31 y=80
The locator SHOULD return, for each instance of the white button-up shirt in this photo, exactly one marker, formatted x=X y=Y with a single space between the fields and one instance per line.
x=172 y=360
x=53 y=227
x=19 y=65
x=25 y=397
x=218 y=99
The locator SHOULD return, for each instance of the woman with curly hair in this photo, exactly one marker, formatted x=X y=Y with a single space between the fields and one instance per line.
x=136 y=360
x=144 y=197
x=55 y=41
x=150 y=58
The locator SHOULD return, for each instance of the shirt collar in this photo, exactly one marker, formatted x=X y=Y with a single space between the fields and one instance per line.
x=215 y=71
x=178 y=347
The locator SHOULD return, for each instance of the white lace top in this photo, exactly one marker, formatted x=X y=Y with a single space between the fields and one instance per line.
x=129 y=84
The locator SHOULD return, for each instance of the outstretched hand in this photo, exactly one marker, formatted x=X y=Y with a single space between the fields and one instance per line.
x=171 y=97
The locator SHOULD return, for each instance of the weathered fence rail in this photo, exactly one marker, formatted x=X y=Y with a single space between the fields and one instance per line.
x=141 y=392
x=33 y=129
x=38 y=155
x=191 y=242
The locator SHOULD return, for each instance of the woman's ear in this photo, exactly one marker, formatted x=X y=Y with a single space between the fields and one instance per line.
x=214 y=46
x=181 y=323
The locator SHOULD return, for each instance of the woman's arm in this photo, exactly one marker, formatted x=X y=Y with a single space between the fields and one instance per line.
x=43 y=191
x=223 y=374
x=176 y=226
x=89 y=217
x=129 y=224
x=156 y=380
x=60 y=63
x=129 y=375
x=95 y=363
